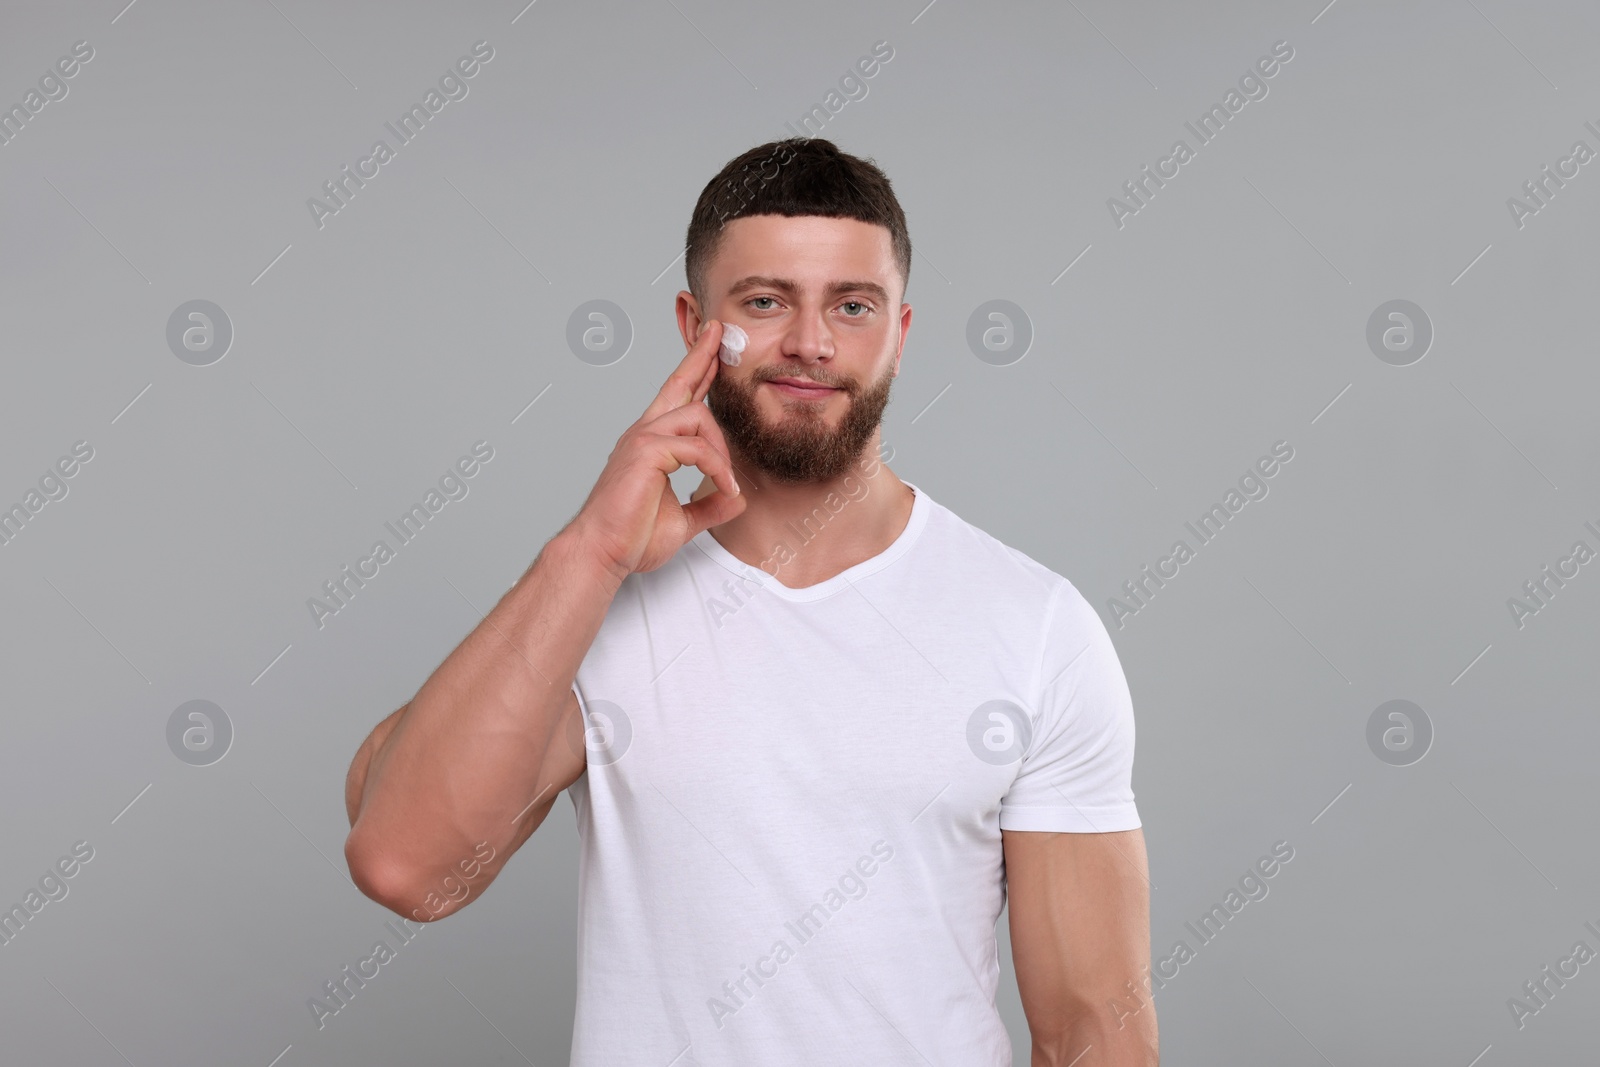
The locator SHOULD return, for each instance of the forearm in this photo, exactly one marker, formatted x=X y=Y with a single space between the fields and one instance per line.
x=1118 y=1033
x=477 y=749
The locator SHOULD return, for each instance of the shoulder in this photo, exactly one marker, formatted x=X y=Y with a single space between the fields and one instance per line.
x=1010 y=575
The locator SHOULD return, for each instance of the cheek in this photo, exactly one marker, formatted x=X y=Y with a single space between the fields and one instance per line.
x=734 y=341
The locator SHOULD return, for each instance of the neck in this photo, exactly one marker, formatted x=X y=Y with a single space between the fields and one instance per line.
x=807 y=533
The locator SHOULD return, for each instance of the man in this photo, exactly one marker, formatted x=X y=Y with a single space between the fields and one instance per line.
x=815 y=726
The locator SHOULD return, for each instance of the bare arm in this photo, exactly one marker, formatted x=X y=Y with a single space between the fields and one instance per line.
x=475 y=761
x=450 y=785
x=1080 y=941
x=356 y=780
x=474 y=872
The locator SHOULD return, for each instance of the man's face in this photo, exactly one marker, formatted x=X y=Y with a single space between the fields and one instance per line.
x=814 y=295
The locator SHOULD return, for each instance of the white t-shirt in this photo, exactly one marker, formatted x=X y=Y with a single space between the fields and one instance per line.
x=791 y=815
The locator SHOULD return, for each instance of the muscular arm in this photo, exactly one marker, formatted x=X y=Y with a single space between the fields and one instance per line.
x=470 y=767
x=449 y=786
x=356 y=780
x=1080 y=932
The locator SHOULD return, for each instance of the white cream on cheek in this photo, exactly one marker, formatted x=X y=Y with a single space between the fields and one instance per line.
x=733 y=344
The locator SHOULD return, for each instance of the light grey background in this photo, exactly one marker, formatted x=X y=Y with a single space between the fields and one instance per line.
x=369 y=354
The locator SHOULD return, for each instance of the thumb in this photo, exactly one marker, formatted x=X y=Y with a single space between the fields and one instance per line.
x=712 y=510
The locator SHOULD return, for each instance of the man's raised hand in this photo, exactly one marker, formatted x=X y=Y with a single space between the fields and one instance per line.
x=632 y=519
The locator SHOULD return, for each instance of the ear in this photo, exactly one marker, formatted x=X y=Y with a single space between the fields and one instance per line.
x=690 y=322
x=905 y=328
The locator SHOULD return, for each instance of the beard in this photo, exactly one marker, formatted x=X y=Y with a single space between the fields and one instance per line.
x=798 y=448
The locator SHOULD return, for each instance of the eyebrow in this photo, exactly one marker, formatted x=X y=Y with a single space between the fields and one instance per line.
x=785 y=285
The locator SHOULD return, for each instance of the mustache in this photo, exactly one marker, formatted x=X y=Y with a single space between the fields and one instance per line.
x=847 y=384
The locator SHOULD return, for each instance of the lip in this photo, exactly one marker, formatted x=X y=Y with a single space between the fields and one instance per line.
x=801 y=387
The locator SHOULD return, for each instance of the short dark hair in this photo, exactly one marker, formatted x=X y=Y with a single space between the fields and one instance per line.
x=793 y=177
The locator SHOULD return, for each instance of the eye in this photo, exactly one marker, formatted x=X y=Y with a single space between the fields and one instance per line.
x=857 y=303
x=753 y=299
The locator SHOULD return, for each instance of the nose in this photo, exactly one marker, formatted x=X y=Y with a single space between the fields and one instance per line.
x=808 y=339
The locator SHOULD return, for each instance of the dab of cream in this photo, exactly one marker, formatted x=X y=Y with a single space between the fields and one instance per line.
x=733 y=342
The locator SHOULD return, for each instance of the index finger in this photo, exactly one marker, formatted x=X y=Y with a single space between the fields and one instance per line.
x=689 y=383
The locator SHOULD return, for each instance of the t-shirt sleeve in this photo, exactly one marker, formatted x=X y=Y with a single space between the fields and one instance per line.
x=1077 y=770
